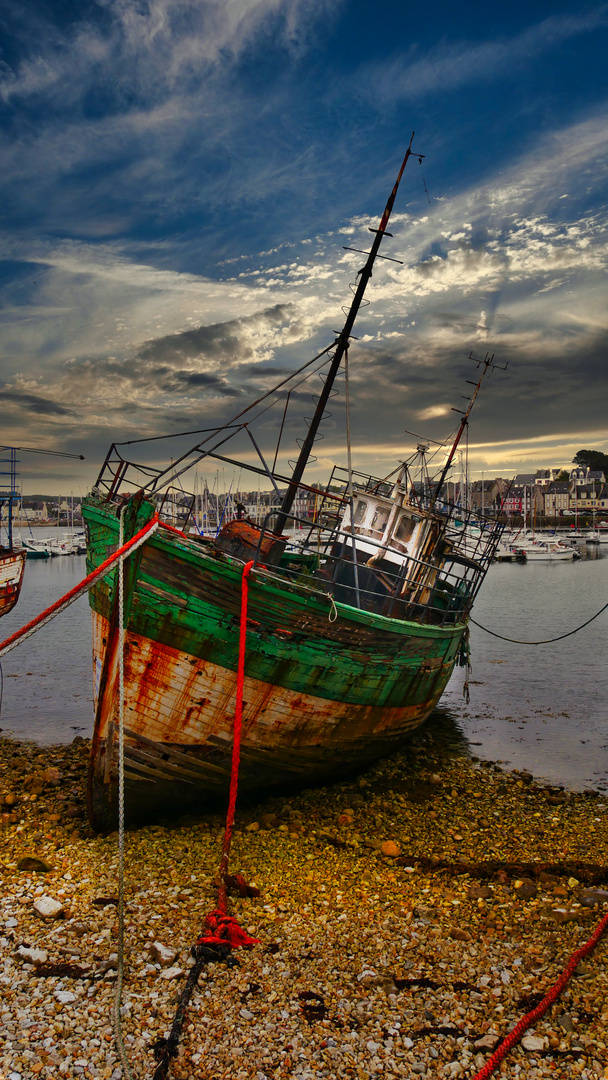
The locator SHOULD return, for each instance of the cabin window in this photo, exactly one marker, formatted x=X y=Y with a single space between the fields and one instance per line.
x=360 y=510
x=380 y=519
x=405 y=529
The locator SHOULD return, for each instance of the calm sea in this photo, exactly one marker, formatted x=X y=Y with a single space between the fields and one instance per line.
x=544 y=707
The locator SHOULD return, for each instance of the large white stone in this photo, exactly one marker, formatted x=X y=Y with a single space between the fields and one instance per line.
x=162 y=954
x=47 y=908
x=66 y=997
x=533 y=1042
x=172 y=973
x=32 y=956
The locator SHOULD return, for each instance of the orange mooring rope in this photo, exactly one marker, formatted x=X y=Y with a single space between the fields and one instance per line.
x=535 y=1014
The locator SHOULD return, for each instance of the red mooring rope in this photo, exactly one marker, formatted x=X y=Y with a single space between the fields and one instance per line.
x=535 y=1014
x=222 y=929
x=222 y=933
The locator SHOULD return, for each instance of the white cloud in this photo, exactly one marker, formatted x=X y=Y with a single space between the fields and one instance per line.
x=453 y=64
x=154 y=46
x=433 y=411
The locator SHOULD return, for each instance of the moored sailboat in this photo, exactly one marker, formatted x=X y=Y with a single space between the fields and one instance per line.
x=351 y=638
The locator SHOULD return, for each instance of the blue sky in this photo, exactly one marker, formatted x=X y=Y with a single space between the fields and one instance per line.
x=180 y=178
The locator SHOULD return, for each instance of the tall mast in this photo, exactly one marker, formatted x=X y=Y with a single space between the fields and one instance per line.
x=341 y=347
x=486 y=363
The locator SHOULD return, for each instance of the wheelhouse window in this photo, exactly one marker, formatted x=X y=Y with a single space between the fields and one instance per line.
x=380 y=519
x=360 y=511
x=405 y=529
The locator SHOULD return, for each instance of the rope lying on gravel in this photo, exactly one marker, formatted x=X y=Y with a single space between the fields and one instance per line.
x=530 y=1018
x=69 y=597
x=544 y=641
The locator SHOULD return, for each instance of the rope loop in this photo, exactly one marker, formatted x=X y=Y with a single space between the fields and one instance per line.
x=545 y=641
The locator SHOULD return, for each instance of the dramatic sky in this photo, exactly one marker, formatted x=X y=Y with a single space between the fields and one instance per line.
x=180 y=178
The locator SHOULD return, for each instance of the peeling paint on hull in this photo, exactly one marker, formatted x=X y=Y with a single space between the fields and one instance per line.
x=320 y=698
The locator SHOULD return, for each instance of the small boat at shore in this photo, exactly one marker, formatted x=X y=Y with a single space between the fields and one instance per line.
x=507 y=552
x=12 y=564
x=350 y=639
x=12 y=558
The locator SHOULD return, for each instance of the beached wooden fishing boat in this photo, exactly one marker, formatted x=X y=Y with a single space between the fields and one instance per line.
x=351 y=639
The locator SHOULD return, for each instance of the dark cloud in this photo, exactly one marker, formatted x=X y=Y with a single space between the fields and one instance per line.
x=187 y=362
x=36 y=404
x=223 y=341
x=204 y=380
x=455 y=320
x=257 y=371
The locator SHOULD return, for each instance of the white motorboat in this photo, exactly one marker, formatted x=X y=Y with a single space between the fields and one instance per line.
x=548 y=550
x=36 y=548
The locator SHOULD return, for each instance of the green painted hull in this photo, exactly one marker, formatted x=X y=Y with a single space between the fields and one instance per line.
x=328 y=687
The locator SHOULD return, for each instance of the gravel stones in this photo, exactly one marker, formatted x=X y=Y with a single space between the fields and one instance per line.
x=370 y=964
x=526 y=889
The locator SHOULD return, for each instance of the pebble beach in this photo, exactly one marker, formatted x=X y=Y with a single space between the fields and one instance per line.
x=407 y=920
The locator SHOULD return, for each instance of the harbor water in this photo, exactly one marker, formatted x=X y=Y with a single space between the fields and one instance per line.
x=539 y=707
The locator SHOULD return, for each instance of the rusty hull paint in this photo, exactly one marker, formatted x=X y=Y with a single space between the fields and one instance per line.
x=242 y=539
x=320 y=696
x=172 y=704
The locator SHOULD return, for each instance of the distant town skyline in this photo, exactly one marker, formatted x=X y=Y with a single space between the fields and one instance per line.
x=183 y=181
x=234 y=480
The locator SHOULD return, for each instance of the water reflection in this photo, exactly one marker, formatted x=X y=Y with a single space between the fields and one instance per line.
x=540 y=707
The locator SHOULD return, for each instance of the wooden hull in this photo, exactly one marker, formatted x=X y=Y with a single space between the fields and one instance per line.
x=12 y=564
x=321 y=697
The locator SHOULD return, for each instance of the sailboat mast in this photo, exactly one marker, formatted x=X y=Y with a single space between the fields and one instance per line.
x=341 y=346
x=488 y=362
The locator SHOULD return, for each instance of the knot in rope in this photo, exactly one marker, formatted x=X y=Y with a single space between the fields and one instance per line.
x=224 y=930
